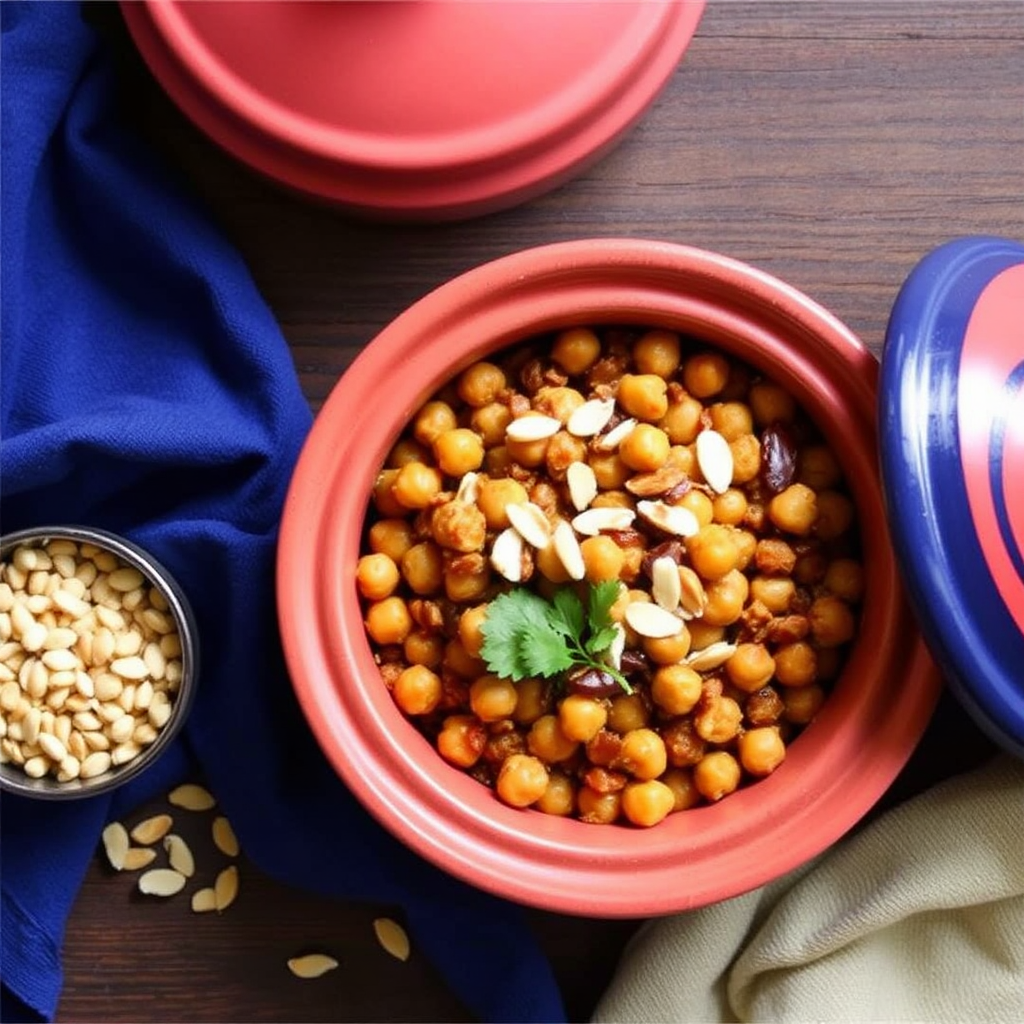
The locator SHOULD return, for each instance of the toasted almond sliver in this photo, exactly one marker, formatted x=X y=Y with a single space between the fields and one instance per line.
x=610 y=441
x=650 y=621
x=507 y=554
x=714 y=457
x=673 y=519
x=665 y=586
x=594 y=520
x=152 y=829
x=469 y=488
x=567 y=547
x=582 y=484
x=224 y=837
x=191 y=797
x=591 y=417
x=161 y=882
x=532 y=524
x=392 y=937
x=115 y=843
x=179 y=856
x=225 y=887
x=692 y=598
x=711 y=657
x=139 y=857
x=312 y=965
x=204 y=900
x=532 y=427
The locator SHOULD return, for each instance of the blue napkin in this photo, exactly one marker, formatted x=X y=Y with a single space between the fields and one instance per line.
x=147 y=389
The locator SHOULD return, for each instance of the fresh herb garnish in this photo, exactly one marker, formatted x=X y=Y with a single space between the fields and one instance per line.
x=527 y=636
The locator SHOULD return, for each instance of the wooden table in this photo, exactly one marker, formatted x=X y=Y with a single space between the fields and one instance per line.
x=831 y=144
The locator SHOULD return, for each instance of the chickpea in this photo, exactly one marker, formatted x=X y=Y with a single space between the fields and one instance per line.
x=835 y=515
x=796 y=664
x=530 y=454
x=703 y=634
x=614 y=499
x=576 y=350
x=643 y=395
x=391 y=537
x=562 y=451
x=610 y=471
x=558 y=402
x=810 y=567
x=406 y=450
x=845 y=578
x=433 y=419
x=645 y=448
x=458 y=660
x=531 y=701
x=602 y=558
x=458 y=451
x=582 y=718
x=712 y=551
x=480 y=384
x=751 y=667
x=705 y=374
x=423 y=568
x=682 y=420
x=559 y=798
x=725 y=599
x=647 y=803
x=416 y=485
x=462 y=587
x=494 y=497
x=384 y=499
x=388 y=621
x=598 y=808
x=761 y=751
x=746 y=458
x=676 y=689
x=802 y=703
x=668 y=650
x=776 y=593
x=470 y=631
x=731 y=419
x=376 y=576
x=746 y=545
x=417 y=690
x=547 y=741
x=657 y=352
x=422 y=648
x=458 y=526
x=498 y=461
x=684 y=792
x=643 y=754
x=492 y=698
x=550 y=565
x=627 y=713
x=729 y=507
x=716 y=775
x=770 y=403
x=700 y=505
x=818 y=468
x=490 y=421
x=522 y=780
x=461 y=740
x=794 y=509
x=718 y=720
x=832 y=621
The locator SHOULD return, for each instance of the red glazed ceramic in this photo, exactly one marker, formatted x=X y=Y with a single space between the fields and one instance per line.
x=835 y=770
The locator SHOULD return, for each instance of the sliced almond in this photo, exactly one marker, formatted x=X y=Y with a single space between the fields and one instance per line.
x=713 y=656
x=179 y=856
x=692 y=597
x=532 y=427
x=665 y=586
x=391 y=935
x=225 y=887
x=532 y=524
x=582 y=484
x=649 y=620
x=191 y=797
x=673 y=519
x=507 y=554
x=591 y=417
x=204 y=900
x=312 y=965
x=594 y=520
x=161 y=882
x=115 y=843
x=469 y=488
x=224 y=837
x=610 y=441
x=714 y=456
x=153 y=829
x=567 y=547
x=139 y=857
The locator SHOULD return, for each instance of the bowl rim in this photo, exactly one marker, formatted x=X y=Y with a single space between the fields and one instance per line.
x=47 y=788
x=711 y=852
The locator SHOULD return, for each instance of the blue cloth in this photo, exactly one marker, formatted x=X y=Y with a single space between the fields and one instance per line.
x=147 y=389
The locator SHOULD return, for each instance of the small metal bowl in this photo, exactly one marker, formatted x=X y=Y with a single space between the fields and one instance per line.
x=13 y=778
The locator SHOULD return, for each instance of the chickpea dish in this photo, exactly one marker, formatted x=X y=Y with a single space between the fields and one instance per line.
x=611 y=573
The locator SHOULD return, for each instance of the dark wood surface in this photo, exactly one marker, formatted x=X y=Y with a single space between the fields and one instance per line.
x=832 y=144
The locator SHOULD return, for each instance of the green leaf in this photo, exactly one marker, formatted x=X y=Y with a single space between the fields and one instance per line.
x=567 y=613
x=544 y=653
x=599 y=604
x=601 y=640
x=508 y=616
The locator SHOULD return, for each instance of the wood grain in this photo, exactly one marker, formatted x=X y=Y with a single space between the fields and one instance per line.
x=831 y=144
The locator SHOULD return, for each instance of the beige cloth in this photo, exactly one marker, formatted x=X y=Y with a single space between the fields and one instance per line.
x=919 y=917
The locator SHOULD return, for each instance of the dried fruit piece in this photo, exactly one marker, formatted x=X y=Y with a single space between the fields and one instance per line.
x=191 y=797
x=650 y=621
x=161 y=882
x=778 y=457
x=138 y=857
x=312 y=965
x=115 y=843
x=224 y=837
x=392 y=937
x=152 y=830
x=225 y=887
x=714 y=456
x=204 y=900
x=179 y=856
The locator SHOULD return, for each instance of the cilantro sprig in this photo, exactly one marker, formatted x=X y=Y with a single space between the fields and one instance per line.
x=526 y=635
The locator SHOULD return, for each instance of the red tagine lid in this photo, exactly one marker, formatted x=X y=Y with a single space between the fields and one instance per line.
x=432 y=109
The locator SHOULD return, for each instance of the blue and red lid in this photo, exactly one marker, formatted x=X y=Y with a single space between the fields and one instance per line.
x=952 y=417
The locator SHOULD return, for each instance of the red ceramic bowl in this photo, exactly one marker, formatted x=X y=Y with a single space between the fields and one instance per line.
x=835 y=770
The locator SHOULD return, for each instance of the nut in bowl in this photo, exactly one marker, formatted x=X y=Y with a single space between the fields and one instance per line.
x=734 y=665
x=98 y=656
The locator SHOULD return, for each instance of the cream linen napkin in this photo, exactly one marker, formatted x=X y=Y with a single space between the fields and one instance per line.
x=919 y=916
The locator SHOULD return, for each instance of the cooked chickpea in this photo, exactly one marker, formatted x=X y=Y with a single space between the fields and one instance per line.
x=480 y=384
x=458 y=526
x=559 y=798
x=796 y=664
x=576 y=350
x=729 y=507
x=835 y=515
x=391 y=537
x=818 y=468
x=643 y=395
x=602 y=558
x=700 y=505
x=461 y=740
x=657 y=352
x=794 y=509
x=746 y=458
x=494 y=497
x=522 y=780
x=725 y=598
x=718 y=720
x=643 y=753
x=716 y=775
x=470 y=632
x=684 y=792
x=532 y=701
x=712 y=551
x=492 y=698
x=751 y=667
x=627 y=713
x=547 y=741
x=422 y=648
x=845 y=578
x=530 y=454
x=647 y=803
x=770 y=404
x=384 y=499
x=432 y=420
x=705 y=374
x=558 y=402
x=406 y=450
x=498 y=461
x=489 y=422
x=388 y=621
x=598 y=808
x=676 y=689
x=581 y=718
x=682 y=420
x=550 y=565
x=761 y=751
x=610 y=471
x=832 y=621
x=562 y=451
x=668 y=650
x=731 y=419
x=645 y=448
x=801 y=704
x=423 y=568
x=458 y=660
x=746 y=545
x=376 y=576
x=416 y=485
x=458 y=451
x=417 y=690
x=462 y=587
x=776 y=593
x=703 y=634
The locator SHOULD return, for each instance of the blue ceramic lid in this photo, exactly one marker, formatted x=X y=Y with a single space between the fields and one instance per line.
x=952 y=419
